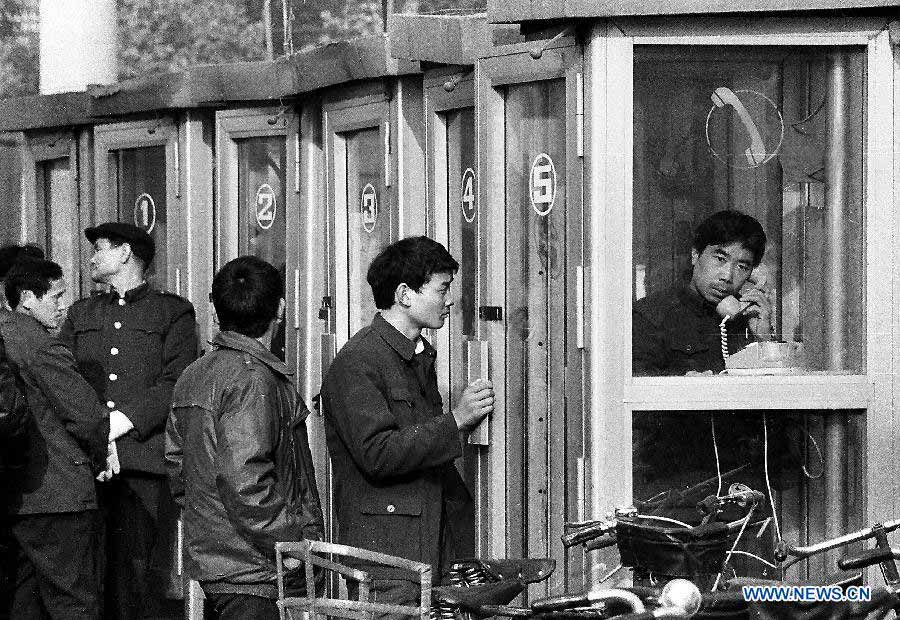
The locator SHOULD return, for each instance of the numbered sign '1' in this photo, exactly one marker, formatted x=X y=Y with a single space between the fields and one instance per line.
x=145 y=212
x=542 y=184
x=266 y=206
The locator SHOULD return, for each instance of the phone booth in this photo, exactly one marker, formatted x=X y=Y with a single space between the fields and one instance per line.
x=529 y=98
x=374 y=168
x=463 y=355
x=779 y=117
x=52 y=203
x=137 y=180
x=258 y=196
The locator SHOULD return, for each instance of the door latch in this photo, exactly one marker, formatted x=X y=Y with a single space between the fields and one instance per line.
x=326 y=306
x=490 y=313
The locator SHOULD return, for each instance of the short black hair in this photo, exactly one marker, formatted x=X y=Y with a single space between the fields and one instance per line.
x=11 y=254
x=412 y=261
x=35 y=275
x=246 y=293
x=729 y=226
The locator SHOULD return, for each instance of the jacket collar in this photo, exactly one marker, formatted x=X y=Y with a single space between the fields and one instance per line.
x=252 y=347
x=138 y=292
x=693 y=301
x=404 y=347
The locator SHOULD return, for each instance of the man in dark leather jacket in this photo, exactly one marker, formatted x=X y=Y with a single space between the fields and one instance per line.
x=236 y=449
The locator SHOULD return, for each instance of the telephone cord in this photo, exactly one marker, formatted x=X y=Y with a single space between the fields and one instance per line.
x=723 y=333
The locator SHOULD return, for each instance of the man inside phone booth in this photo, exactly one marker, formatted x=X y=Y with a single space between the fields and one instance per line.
x=685 y=329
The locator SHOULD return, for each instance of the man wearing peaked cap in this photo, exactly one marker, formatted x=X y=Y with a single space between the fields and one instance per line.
x=131 y=344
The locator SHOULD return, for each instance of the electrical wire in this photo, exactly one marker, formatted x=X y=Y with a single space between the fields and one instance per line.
x=665 y=519
x=768 y=482
x=755 y=557
x=712 y=424
x=733 y=547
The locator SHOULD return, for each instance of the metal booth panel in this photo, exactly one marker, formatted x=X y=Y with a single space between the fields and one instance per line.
x=454 y=220
x=258 y=199
x=530 y=119
x=137 y=180
x=52 y=208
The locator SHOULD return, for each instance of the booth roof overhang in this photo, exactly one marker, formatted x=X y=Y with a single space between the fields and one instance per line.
x=523 y=11
x=210 y=86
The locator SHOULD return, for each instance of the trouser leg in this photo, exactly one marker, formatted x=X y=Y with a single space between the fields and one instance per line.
x=58 y=575
x=242 y=607
x=130 y=505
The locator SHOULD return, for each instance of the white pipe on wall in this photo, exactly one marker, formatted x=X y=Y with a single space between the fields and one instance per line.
x=78 y=46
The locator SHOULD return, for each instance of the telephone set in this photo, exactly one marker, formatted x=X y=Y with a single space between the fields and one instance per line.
x=724 y=96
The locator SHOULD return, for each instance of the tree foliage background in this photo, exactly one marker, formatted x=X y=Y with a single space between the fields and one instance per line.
x=169 y=35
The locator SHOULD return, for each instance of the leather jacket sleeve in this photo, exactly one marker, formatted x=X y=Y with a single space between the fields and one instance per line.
x=247 y=437
x=175 y=458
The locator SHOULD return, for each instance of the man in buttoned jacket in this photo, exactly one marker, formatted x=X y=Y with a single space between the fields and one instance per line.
x=50 y=504
x=397 y=490
x=131 y=344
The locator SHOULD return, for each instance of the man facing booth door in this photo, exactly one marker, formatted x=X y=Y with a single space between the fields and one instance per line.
x=392 y=447
x=131 y=344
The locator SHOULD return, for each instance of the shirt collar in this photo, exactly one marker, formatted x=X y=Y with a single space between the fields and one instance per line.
x=138 y=292
x=404 y=347
x=250 y=346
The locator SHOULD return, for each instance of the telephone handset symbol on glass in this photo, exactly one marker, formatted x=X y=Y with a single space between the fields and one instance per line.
x=724 y=96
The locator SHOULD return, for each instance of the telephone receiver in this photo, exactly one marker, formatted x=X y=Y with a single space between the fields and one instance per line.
x=731 y=307
x=724 y=96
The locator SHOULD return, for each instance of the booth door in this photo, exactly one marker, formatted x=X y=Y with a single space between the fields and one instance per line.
x=137 y=181
x=362 y=209
x=454 y=221
x=538 y=167
x=259 y=200
x=49 y=177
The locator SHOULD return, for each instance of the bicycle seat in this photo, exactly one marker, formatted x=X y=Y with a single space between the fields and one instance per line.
x=529 y=570
x=474 y=597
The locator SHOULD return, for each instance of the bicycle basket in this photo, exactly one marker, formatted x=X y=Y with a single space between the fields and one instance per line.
x=672 y=551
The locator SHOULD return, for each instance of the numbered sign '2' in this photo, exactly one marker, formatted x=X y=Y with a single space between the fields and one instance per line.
x=266 y=206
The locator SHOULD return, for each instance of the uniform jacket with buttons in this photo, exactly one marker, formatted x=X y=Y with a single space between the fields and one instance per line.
x=240 y=465
x=65 y=436
x=675 y=331
x=392 y=448
x=132 y=349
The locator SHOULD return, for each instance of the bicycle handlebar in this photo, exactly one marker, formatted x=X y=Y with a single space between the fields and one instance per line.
x=869 y=557
x=784 y=550
x=568 y=601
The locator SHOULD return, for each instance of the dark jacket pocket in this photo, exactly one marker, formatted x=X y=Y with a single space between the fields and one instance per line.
x=402 y=394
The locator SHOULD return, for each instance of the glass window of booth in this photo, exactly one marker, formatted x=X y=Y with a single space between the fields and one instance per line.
x=775 y=134
x=261 y=212
x=56 y=222
x=137 y=181
x=808 y=466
